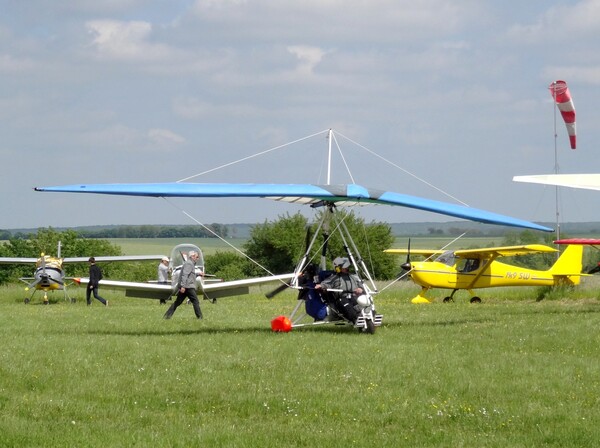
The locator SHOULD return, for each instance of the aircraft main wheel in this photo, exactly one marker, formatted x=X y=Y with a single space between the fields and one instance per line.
x=26 y=300
x=475 y=299
x=448 y=299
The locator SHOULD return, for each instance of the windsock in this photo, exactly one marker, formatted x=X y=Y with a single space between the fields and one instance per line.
x=562 y=97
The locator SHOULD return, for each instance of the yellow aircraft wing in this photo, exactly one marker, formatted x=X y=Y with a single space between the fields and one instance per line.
x=503 y=251
x=482 y=253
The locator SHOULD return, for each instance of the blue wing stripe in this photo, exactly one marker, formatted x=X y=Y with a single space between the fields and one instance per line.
x=301 y=193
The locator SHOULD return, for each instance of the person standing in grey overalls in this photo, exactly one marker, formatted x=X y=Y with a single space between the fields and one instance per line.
x=187 y=286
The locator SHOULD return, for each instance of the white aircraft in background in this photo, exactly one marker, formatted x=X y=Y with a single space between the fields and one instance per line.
x=49 y=274
x=212 y=289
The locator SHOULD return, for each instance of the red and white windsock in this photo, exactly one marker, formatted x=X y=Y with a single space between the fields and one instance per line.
x=562 y=97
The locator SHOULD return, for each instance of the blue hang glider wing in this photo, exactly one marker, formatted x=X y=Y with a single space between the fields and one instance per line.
x=344 y=195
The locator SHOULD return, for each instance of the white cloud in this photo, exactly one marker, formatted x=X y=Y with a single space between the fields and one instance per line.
x=576 y=74
x=309 y=58
x=125 y=40
x=119 y=139
x=12 y=64
x=337 y=21
x=164 y=137
x=191 y=108
x=560 y=23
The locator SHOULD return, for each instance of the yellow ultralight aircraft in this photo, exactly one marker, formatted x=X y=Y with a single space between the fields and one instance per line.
x=471 y=269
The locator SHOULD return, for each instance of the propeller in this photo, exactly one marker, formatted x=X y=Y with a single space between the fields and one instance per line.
x=406 y=265
x=32 y=284
x=284 y=286
x=276 y=291
x=42 y=276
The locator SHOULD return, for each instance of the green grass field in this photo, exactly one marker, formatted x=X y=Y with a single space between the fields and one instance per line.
x=510 y=372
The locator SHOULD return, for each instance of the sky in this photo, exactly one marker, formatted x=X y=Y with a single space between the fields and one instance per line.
x=442 y=99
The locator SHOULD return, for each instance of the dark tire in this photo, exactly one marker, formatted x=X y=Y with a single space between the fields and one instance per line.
x=448 y=299
x=475 y=299
x=370 y=327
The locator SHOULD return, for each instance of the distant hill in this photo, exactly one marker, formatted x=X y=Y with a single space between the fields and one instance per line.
x=242 y=230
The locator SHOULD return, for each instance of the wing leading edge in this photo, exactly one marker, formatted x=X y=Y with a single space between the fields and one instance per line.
x=209 y=290
x=109 y=258
x=350 y=194
x=482 y=253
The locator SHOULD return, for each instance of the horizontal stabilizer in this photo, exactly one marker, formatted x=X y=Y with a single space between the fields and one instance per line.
x=137 y=294
x=584 y=241
x=232 y=292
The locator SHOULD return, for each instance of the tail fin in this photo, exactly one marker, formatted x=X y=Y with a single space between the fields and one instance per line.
x=567 y=268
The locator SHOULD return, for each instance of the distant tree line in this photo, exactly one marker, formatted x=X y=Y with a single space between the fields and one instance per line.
x=140 y=231
x=456 y=231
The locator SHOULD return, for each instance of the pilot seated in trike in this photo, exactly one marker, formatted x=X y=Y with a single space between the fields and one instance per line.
x=341 y=290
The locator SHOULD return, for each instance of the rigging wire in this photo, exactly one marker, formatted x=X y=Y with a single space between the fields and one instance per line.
x=250 y=157
x=331 y=133
x=404 y=170
x=342 y=156
x=211 y=231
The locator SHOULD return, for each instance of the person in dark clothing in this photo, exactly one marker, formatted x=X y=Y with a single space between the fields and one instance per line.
x=348 y=287
x=95 y=277
x=187 y=286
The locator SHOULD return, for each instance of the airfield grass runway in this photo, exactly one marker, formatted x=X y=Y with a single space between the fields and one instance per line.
x=510 y=372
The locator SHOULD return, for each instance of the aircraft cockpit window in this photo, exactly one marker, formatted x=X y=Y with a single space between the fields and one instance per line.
x=180 y=253
x=447 y=258
x=468 y=265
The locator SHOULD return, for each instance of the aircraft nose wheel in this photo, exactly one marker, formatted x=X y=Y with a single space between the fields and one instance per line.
x=448 y=299
x=475 y=299
x=370 y=326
